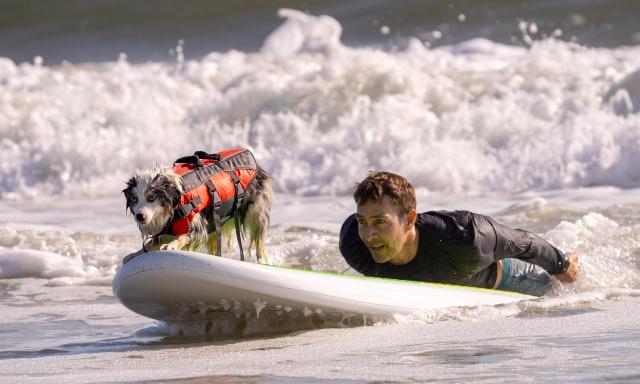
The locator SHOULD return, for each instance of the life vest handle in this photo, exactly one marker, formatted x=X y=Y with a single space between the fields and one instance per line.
x=197 y=158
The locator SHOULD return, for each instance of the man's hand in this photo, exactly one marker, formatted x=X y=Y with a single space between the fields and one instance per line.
x=570 y=274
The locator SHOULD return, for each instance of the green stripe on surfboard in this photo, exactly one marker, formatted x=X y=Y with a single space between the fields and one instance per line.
x=401 y=281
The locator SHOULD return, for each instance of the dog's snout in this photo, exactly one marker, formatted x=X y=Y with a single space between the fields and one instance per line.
x=140 y=217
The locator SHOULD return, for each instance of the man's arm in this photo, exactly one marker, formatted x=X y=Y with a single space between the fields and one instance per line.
x=526 y=246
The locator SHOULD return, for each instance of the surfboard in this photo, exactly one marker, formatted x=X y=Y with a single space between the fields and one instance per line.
x=181 y=286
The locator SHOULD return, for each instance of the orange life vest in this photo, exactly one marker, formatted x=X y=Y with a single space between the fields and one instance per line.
x=218 y=179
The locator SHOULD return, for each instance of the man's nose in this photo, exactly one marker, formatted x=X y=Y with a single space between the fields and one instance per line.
x=369 y=233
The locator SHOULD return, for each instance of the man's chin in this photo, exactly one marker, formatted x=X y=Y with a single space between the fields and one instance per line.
x=379 y=258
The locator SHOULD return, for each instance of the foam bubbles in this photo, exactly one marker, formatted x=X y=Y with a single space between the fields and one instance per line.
x=28 y=263
x=606 y=252
x=64 y=259
x=472 y=118
x=303 y=33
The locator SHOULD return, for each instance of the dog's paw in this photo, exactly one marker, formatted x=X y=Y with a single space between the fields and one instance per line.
x=172 y=246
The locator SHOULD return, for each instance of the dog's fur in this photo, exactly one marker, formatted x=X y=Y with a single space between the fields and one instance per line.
x=153 y=194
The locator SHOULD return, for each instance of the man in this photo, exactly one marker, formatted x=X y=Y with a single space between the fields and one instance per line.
x=387 y=238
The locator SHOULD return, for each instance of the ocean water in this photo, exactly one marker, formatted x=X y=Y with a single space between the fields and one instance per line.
x=525 y=111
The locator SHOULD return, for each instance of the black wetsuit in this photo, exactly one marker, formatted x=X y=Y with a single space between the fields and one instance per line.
x=457 y=247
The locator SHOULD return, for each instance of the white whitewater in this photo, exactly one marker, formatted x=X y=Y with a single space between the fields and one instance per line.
x=544 y=137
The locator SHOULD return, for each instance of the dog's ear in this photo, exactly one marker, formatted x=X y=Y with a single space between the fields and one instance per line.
x=155 y=179
x=131 y=183
x=128 y=191
x=169 y=186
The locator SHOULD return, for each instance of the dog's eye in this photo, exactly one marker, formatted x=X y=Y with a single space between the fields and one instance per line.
x=151 y=198
x=133 y=200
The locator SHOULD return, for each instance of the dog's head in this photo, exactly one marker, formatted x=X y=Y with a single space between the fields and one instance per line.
x=151 y=196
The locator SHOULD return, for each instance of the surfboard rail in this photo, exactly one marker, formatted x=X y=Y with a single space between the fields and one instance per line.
x=180 y=285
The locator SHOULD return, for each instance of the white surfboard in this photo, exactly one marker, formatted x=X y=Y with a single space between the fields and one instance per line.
x=179 y=286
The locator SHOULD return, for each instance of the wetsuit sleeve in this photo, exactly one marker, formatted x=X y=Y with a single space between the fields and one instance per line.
x=519 y=244
x=353 y=249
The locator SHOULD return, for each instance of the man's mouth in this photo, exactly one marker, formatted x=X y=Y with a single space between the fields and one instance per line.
x=376 y=247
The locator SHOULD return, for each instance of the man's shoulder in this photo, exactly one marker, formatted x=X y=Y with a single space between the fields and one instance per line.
x=349 y=233
x=461 y=218
x=450 y=223
x=349 y=224
x=459 y=215
x=353 y=249
x=444 y=219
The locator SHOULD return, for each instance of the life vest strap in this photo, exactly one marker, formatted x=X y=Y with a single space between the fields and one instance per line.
x=216 y=203
x=185 y=209
x=236 y=222
x=239 y=195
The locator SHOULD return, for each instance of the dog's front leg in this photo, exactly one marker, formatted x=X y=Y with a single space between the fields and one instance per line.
x=179 y=243
x=261 y=254
x=212 y=244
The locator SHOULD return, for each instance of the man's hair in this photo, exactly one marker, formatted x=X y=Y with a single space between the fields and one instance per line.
x=379 y=184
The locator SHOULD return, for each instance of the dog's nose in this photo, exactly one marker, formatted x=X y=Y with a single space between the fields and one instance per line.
x=140 y=217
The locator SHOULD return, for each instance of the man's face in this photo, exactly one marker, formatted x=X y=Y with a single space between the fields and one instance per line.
x=382 y=230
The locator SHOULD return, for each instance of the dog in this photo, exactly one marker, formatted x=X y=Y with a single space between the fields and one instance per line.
x=153 y=195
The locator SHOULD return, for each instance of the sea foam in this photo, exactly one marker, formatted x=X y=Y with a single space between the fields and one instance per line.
x=473 y=118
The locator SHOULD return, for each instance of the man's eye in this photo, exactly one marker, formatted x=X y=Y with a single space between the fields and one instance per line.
x=379 y=222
